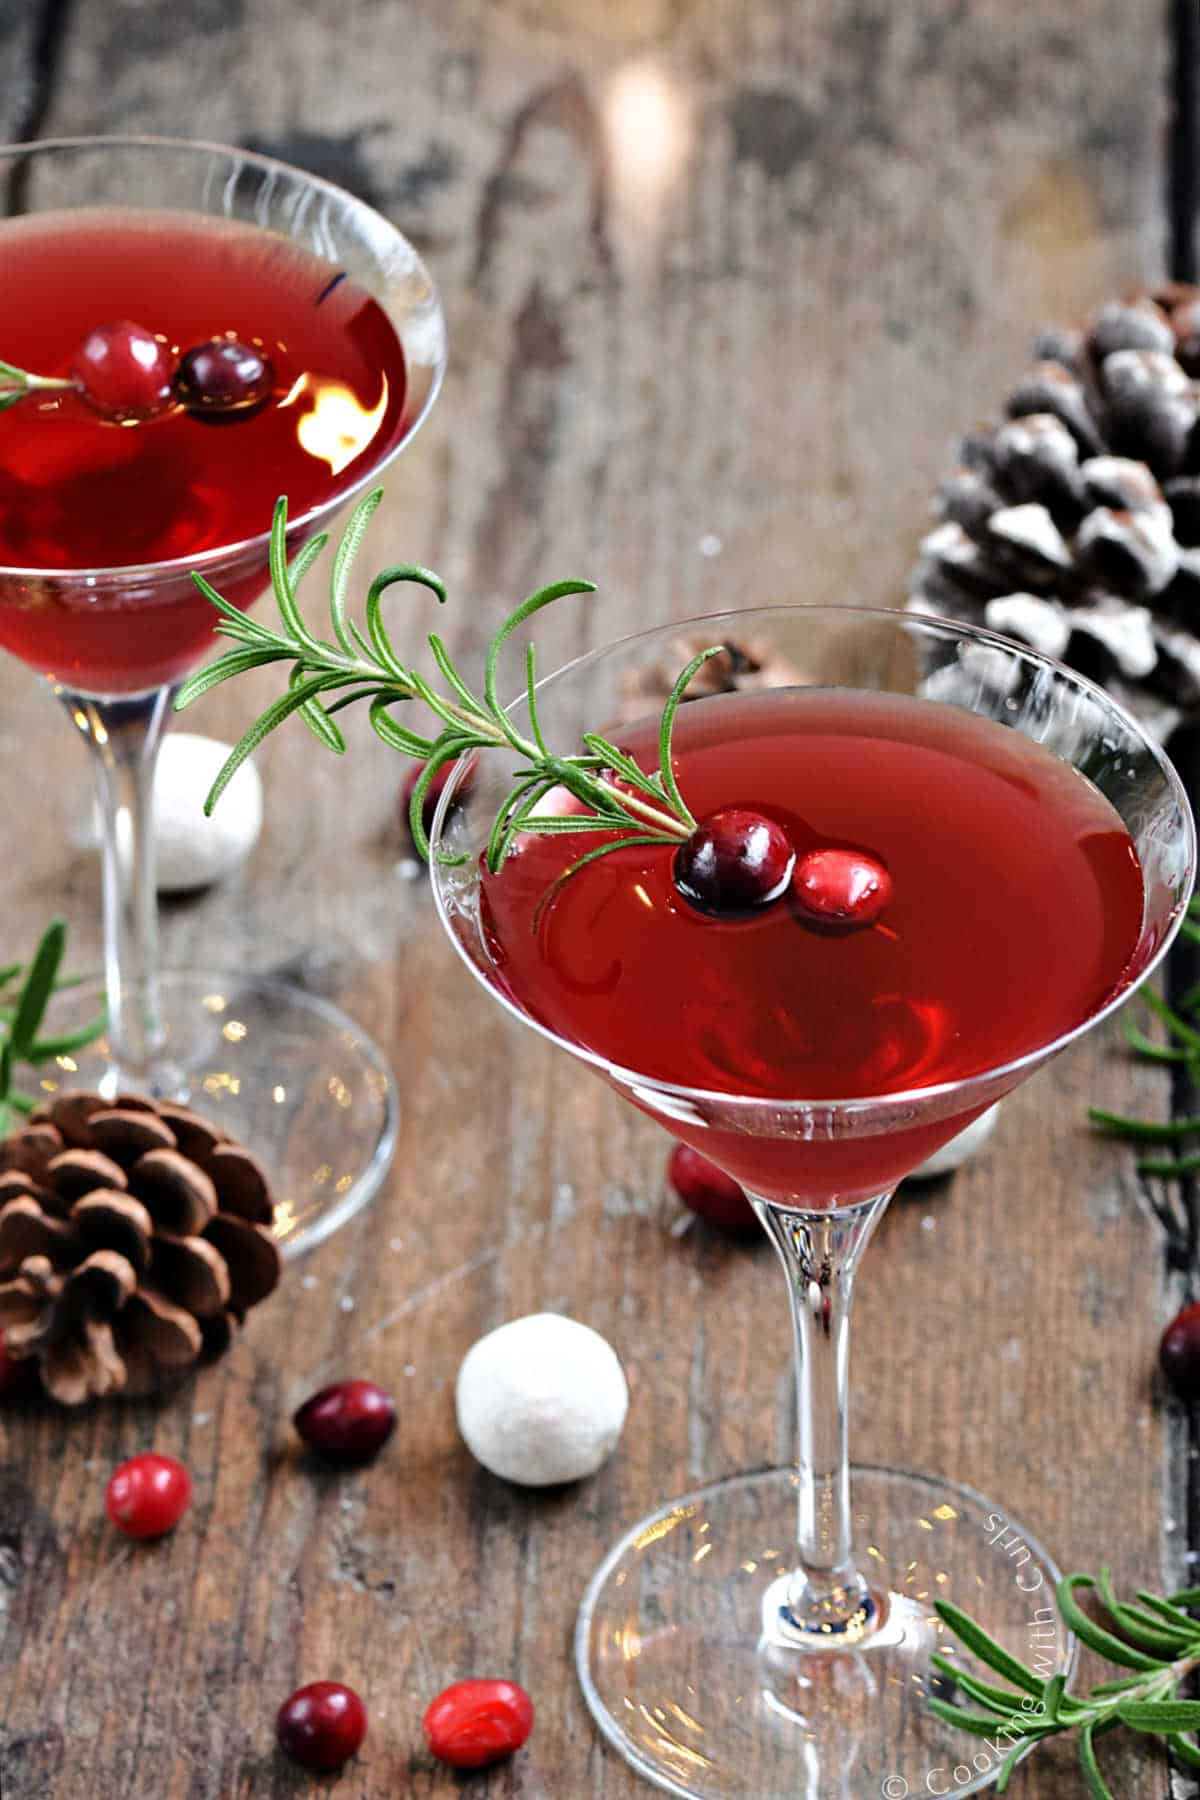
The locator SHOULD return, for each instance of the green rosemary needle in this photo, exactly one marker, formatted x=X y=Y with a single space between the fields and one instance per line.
x=26 y=990
x=1154 y=1638
x=359 y=663
x=1182 y=1048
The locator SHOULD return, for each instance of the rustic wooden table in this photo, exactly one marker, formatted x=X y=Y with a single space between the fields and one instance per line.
x=723 y=281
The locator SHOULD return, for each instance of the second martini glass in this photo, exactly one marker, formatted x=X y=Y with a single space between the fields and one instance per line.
x=339 y=301
x=769 y=1636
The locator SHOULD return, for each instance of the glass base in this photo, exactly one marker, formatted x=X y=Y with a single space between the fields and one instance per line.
x=287 y=1074
x=690 y=1679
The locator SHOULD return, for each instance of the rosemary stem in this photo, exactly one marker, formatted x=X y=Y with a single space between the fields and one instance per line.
x=31 y=382
x=478 y=724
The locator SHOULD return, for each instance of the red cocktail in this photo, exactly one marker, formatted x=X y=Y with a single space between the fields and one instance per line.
x=977 y=959
x=1022 y=855
x=186 y=333
x=82 y=491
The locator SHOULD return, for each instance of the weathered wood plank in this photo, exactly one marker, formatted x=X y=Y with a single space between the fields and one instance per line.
x=18 y=33
x=722 y=284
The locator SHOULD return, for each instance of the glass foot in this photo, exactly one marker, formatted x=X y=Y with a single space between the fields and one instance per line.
x=286 y=1073
x=689 y=1677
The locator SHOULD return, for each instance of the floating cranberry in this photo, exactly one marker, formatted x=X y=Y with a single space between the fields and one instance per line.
x=734 y=862
x=348 y=1422
x=322 y=1725
x=224 y=379
x=1179 y=1353
x=148 y=1495
x=842 y=889
x=123 y=371
x=710 y=1192
x=475 y=1723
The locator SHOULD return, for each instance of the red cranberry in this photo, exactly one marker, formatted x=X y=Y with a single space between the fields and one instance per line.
x=148 y=1495
x=224 y=379
x=710 y=1192
x=322 y=1725
x=123 y=371
x=347 y=1422
x=843 y=889
x=734 y=861
x=1179 y=1353
x=475 y=1723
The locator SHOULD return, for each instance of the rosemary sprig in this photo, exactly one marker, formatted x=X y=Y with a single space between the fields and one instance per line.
x=1156 y=1639
x=16 y=384
x=26 y=990
x=1182 y=1026
x=359 y=663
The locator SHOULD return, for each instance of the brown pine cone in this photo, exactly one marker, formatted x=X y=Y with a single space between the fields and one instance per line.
x=134 y=1237
x=1074 y=524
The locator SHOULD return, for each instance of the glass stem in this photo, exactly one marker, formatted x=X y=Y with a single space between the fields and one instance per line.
x=124 y=737
x=826 y=1597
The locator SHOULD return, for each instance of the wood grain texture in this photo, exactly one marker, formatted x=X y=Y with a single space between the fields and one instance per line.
x=723 y=282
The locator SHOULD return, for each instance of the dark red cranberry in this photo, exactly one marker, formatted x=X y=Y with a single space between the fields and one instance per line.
x=348 y=1422
x=224 y=379
x=322 y=1725
x=734 y=861
x=1179 y=1353
x=148 y=1495
x=123 y=371
x=843 y=889
x=710 y=1192
x=475 y=1723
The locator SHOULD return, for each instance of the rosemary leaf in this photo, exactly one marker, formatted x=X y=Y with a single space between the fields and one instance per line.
x=1149 y=1129
x=1097 y=1787
x=987 y=1649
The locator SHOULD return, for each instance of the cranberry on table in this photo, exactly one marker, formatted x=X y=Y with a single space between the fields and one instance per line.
x=734 y=862
x=843 y=889
x=123 y=371
x=148 y=1495
x=474 y=1723
x=1179 y=1353
x=710 y=1192
x=224 y=379
x=347 y=1422
x=322 y=1725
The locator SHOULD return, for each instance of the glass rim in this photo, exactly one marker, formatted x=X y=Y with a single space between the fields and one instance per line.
x=981 y=1080
x=175 y=566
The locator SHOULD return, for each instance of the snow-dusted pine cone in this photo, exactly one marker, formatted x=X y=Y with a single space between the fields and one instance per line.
x=134 y=1236
x=1074 y=525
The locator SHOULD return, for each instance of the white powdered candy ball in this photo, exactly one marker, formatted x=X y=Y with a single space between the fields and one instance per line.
x=541 y=1400
x=957 y=1151
x=192 y=851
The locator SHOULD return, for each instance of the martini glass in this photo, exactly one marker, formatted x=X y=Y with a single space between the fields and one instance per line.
x=280 y=1068
x=769 y=1636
